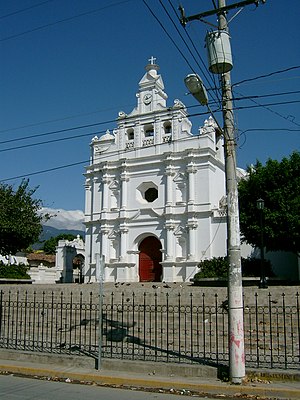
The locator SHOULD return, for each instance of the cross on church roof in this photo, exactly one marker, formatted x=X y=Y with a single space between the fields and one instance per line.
x=152 y=60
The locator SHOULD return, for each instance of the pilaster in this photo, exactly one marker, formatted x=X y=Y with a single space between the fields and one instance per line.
x=170 y=226
x=192 y=226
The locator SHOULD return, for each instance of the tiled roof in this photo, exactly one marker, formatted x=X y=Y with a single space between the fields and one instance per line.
x=50 y=258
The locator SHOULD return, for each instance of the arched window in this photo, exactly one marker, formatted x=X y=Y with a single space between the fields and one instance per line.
x=167 y=127
x=130 y=134
x=149 y=130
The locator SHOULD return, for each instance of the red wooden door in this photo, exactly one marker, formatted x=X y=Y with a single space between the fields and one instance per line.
x=150 y=269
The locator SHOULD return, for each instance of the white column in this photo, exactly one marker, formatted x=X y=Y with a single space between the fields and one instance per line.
x=192 y=225
x=96 y=195
x=191 y=170
x=170 y=241
x=88 y=196
x=104 y=242
x=105 y=182
x=169 y=189
x=124 y=192
x=157 y=131
x=123 y=243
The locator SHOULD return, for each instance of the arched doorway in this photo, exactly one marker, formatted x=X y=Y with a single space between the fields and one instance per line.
x=150 y=269
x=78 y=264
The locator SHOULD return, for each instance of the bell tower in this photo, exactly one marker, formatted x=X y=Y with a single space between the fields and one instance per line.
x=151 y=95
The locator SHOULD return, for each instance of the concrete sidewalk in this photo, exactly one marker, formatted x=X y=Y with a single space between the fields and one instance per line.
x=170 y=378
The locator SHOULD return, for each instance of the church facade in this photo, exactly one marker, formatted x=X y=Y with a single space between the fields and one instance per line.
x=155 y=192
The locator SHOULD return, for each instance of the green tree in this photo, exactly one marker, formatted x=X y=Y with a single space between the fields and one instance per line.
x=50 y=244
x=20 y=218
x=278 y=184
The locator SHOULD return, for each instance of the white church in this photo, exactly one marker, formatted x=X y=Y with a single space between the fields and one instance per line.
x=155 y=192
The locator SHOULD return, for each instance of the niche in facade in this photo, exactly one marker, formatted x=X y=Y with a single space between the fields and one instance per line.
x=147 y=192
x=180 y=180
x=114 y=195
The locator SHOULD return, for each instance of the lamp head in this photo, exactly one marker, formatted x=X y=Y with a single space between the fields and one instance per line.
x=195 y=86
x=260 y=204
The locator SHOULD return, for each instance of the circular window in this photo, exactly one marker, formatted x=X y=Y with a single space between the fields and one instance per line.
x=151 y=194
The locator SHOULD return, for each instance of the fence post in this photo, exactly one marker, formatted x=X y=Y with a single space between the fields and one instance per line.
x=99 y=277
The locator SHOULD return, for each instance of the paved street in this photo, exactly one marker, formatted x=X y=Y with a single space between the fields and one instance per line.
x=17 y=388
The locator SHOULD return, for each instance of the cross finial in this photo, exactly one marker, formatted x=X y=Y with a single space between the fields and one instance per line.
x=152 y=60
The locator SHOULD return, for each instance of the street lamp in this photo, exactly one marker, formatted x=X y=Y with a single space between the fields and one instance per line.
x=195 y=86
x=260 y=204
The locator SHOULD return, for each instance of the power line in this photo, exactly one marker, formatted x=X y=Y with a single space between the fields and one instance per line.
x=25 y=9
x=266 y=75
x=269 y=129
x=187 y=46
x=60 y=119
x=265 y=105
x=24 y=146
x=243 y=133
x=45 y=170
x=128 y=151
x=69 y=137
x=83 y=126
x=101 y=123
x=250 y=97
x=56 y=132
x=111 y=154
x=169 y=36
x=63 y=20
x=287 y=118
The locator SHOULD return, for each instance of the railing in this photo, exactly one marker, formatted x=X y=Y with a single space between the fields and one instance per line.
x=166 y=328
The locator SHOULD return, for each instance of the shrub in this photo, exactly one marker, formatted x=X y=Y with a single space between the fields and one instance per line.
x=217 y=267
x=14 y=271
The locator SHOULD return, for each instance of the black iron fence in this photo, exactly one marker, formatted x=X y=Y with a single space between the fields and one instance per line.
x=170 y=328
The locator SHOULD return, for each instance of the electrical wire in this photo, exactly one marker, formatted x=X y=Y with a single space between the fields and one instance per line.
x=45 y=170
x=114 y=120
x=128 y=151
x=272 y=111
x=266 y=75
x=79 y=127
x=56 y=132
x=61 y=119
x=111 y=154
x=169 y=36
x=25 y=9
x=63 y=20
x=265 y=105
x=264 y=95
x=243 y=133
x=67 y=138
x=24 y=146
x=195 y=49
x=111 y=121
x=269 y=129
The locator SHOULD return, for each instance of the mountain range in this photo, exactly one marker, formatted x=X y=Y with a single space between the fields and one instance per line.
x=61 y=222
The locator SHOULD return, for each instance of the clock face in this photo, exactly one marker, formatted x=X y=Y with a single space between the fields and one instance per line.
x=147 y=98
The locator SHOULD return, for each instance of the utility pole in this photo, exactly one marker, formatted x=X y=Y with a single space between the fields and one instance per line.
x=235 y=287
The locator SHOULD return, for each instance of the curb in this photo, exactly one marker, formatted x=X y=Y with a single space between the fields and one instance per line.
x=107 y=378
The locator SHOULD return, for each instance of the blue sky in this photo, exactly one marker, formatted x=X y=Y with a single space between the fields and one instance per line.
x=70 y=63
